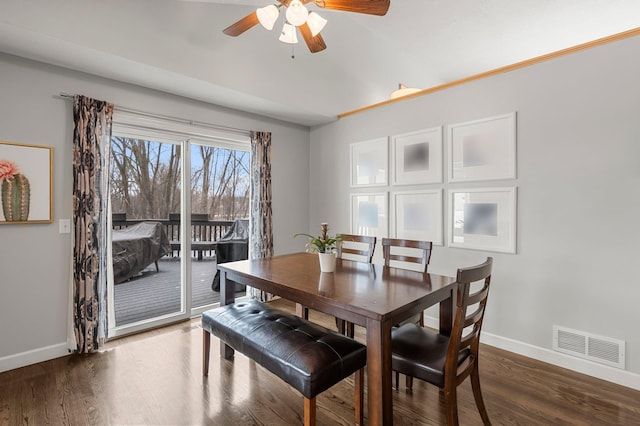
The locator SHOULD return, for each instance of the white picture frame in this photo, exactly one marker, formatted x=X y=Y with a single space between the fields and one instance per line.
x=483 y=219
x=369 y=214
x=483 y=149
x=417 y=215
x=369 y=162
x=416 y=157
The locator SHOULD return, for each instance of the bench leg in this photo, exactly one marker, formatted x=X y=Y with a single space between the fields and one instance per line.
x=409 y=382
x=206 y=351
x=359 y=396
x=310 y=411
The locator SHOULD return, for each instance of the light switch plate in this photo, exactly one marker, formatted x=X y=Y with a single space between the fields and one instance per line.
x=64 y=226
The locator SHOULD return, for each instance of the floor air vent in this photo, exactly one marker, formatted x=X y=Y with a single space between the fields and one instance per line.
x=584 y=345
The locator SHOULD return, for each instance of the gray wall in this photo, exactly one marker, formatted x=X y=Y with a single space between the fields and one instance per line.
x=578 y=174
x=35 y=259
x=578 y=201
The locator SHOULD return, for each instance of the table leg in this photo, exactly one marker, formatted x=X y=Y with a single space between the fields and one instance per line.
x=380 y=401
x=227 y=297
x=447 y=309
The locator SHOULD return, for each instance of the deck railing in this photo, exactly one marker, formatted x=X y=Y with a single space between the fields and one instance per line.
x=202 y=229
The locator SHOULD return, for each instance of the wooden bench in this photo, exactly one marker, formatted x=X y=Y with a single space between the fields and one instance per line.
x=308 y=357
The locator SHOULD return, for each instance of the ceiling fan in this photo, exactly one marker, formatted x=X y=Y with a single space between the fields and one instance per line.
x=298 y=16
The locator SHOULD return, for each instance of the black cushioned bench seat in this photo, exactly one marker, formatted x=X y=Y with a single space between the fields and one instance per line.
x=307 y=356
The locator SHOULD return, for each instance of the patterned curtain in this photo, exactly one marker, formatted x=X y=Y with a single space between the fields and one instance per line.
x=91 y=140
x=261 y=238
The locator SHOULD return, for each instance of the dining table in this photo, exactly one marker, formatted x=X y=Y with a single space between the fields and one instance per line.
x=370 y=295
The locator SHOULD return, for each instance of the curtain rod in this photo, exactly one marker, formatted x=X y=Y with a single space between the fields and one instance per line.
x=242 y=132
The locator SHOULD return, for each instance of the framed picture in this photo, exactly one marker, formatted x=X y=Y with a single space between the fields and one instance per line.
x=417 y=157
x=369 y=163
x=483 y=149
x=483 y=219
x=26 y=183
x=417 y=215
x=369 y=214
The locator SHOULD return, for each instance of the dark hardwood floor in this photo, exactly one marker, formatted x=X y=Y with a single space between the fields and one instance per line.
x=155 y=378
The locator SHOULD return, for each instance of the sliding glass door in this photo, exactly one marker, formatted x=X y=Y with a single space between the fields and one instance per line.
x=219 y=211
x=179 y=206
x=146 y=200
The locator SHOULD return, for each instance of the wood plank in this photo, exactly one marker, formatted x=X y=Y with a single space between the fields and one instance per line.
x=157 y=293
x=156 y=378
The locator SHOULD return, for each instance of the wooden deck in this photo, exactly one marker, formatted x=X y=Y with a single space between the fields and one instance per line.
x=156 y=293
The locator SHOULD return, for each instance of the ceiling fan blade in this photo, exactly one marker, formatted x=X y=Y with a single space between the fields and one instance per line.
x=242 y=25
x=315 y=44
x=370 y=7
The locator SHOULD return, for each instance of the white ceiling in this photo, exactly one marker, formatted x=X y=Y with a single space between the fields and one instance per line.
x=177 y=46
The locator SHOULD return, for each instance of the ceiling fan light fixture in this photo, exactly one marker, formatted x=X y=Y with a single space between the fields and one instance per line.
x=296 y=13
x=316 y=23
x=288 y=34
x=268 y=15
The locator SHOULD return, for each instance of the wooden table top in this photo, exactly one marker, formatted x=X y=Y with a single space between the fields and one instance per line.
x=367 y=290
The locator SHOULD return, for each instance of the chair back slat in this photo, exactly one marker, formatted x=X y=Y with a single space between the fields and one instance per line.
x=474 y=317
x=421 y=261
x=479 y=295
x=475 y=273
x=478 y=300
x=356 y=247
x=468 y=339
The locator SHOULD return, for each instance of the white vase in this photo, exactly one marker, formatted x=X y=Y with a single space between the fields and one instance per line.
x=327 y=262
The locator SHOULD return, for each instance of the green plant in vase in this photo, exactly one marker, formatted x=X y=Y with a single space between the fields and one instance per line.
x=322 y=243
x=325 y=246
x=16 y=192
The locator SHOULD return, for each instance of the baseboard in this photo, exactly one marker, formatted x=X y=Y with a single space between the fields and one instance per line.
x=33 y=357
x=604 y=372
x=583 y=366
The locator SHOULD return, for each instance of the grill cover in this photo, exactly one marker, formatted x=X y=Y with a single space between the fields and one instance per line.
x=136 y=247
x=234 y=245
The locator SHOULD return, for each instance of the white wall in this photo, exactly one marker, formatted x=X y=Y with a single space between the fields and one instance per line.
x=35 y=259
x=578 y=179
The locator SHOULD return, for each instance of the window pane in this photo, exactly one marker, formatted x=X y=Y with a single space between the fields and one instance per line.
x=220 y=183
x=145 y=191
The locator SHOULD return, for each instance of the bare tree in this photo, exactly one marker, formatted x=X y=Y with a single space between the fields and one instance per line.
x=145 y=179
x=119 y=183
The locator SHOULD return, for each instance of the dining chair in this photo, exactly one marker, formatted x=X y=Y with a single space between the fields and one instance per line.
x=446 y=361
x=359 y=248
x=356 y=247
x=411 y=254
x=407 y=254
